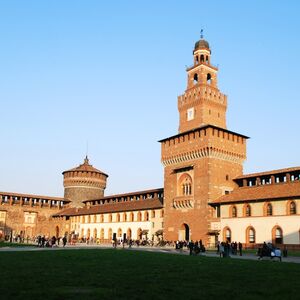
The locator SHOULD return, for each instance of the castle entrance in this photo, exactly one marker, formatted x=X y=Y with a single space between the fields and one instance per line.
x=184 y=233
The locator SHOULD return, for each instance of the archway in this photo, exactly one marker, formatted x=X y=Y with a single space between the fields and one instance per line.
x=102 y=234
x=119 y=233
x=129 y=233
x=184 y=233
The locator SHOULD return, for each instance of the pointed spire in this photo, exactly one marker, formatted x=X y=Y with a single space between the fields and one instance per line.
x=86 y=160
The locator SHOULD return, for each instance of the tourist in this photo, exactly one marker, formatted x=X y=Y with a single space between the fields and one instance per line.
x=64 y=241
x=191 y=247
x=240 y=248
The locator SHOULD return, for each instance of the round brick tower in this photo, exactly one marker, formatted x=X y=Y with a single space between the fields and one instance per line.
x=84 y=183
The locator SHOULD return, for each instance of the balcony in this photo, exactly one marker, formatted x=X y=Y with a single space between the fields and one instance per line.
x=183 y=202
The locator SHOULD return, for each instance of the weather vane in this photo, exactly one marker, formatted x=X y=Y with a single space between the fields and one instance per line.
x=201 y=33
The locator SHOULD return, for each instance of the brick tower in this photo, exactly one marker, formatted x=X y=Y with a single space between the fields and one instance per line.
x=84 y=183
x=201 y=161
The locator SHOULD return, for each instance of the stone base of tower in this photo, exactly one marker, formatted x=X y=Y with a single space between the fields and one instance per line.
x=186 y=227
x=77 y=195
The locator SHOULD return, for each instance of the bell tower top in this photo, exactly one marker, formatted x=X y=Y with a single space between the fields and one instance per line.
x=202 y=103
x=201 y=51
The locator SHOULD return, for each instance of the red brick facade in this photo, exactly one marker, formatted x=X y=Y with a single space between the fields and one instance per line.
x=201 y=161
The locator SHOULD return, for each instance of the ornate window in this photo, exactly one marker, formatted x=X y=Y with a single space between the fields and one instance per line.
x=185 y=184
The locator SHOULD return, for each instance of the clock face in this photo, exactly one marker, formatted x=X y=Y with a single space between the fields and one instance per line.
x=190 y=114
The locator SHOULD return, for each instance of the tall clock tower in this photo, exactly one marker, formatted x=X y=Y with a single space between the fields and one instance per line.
x=203 y=158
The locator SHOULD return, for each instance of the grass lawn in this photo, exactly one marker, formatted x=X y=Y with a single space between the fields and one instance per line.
x=7 y=244
x=122 y=274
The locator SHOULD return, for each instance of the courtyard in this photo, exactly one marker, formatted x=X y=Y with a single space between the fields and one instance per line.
x=118 y=273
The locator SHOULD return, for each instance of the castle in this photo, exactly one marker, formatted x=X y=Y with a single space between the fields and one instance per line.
x=205 y=196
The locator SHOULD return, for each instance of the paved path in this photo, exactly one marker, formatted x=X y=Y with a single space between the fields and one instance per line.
x=291 y=259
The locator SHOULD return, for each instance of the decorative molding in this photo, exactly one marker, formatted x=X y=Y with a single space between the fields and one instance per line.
x=183 y=203
x=207 y=152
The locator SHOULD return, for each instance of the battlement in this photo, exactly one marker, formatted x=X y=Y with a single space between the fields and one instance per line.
x=201 y=92
x=206 y=141
x=13 y=199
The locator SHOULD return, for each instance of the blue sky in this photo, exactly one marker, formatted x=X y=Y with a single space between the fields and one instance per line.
x=109 y=73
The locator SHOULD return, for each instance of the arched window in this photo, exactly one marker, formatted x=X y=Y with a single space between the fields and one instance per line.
x=139 y=216
x=197 y=59
x=153 y=214
x=131 y=217
x=208 y=78
x=95 y=219
x=250 y=235
x=277 y=235
x=227 y=234
x=195 y=78
x=124 y=217
x=118 y=218
x=233 y=211
x=110 y=218
x=146 y=216
x=202 y=58
x=247 y=210
x=293 y=208
x=162 y=213
x=269 y=209
x=101 y=218
x=185 y=183
x=95 y=233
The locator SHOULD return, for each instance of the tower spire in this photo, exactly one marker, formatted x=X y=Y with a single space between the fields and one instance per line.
x=201 y=34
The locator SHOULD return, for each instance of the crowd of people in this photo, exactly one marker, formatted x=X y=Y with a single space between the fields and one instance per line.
x=268 y=249
x=225 y=249
x=53 y=242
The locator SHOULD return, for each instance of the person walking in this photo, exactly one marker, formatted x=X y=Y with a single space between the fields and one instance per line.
x=64 y=241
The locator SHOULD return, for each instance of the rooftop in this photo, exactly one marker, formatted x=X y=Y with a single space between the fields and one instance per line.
x=268 y=173
x=112 y=207
x=85 y=167
x=262 y=192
